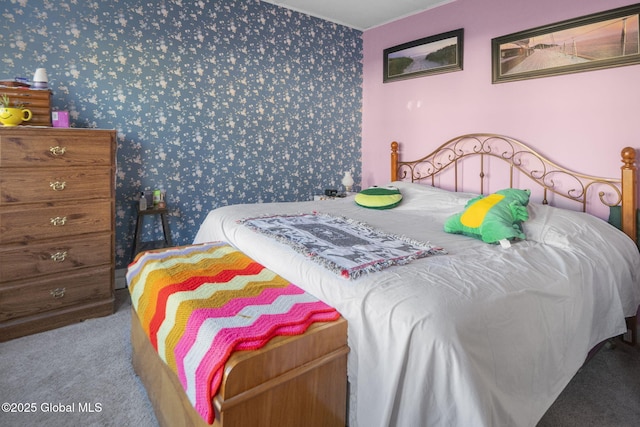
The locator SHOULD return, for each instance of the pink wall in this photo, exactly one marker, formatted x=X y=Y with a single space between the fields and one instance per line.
x=581 y=120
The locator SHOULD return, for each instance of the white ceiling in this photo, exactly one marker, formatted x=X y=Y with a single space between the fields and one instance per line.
x=359 y=14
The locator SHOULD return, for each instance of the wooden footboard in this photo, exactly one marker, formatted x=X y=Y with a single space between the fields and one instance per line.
x=292 y=381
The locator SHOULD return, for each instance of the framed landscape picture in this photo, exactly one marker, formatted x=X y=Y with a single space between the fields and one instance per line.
x=441 y=53
x=597 y=41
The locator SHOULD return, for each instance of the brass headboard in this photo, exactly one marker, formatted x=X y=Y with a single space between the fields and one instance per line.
x=522 y=159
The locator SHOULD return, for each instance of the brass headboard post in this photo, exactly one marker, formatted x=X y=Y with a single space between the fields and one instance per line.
x=394 y=161
x=629 y=192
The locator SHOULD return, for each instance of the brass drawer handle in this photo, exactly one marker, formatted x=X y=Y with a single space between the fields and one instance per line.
x=57 y=186
x=59 y=256
x=57 y=150
x=58 y=292
x=58 y=221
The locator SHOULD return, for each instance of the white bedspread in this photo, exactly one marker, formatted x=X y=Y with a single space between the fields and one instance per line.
x=484 y=336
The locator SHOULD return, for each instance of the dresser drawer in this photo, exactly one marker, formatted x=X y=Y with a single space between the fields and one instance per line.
x=27 y=97
x=29 y=186
x=69 y=147
x=37 y=297
x=39 y=259
x=23 y=224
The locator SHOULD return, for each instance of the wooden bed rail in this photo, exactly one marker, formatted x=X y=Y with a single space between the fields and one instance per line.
x=524 y=160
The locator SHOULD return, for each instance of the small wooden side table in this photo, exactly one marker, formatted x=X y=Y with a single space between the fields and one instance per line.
x=138 y=244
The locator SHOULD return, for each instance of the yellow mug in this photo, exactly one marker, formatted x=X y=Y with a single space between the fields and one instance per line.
x=14 y=116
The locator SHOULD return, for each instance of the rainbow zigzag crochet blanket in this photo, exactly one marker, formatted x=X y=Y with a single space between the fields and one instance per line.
x=197 y=304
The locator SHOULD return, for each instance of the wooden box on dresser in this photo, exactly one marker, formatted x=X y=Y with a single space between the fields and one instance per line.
x=37 y=101
x=56 y=227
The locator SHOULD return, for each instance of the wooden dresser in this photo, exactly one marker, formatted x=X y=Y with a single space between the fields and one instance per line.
x=56 y=227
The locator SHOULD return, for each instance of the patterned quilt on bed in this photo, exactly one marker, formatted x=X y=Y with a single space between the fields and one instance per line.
x=342 y=245
x=199 y=303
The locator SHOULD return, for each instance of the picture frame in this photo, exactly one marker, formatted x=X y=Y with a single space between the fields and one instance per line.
x=441 y=53
x=597 y=41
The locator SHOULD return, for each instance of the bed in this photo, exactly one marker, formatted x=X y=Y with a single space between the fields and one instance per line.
x=486 y=334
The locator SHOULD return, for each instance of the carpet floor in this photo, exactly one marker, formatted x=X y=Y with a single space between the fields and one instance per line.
x=81 y=375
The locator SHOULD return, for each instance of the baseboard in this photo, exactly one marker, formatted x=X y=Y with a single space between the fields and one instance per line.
x=121 y=280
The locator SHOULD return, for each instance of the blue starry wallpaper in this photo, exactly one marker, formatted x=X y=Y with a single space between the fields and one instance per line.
x=217 y=102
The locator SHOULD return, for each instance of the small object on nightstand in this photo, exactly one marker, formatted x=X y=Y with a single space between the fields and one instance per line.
x=347 y=181
x=143 y=202
x=156 y=197
x=162 y=204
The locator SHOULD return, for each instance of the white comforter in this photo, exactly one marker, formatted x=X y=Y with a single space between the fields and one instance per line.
x=483 y=336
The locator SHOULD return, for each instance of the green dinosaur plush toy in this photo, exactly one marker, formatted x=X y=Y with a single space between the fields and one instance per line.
x=492 y=218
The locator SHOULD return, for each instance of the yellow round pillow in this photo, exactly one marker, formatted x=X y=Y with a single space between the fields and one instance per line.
x=379 y=198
